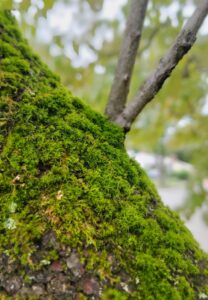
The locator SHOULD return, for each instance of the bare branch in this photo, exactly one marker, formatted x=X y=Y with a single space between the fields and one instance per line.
x=126 y=61
x=153 y=84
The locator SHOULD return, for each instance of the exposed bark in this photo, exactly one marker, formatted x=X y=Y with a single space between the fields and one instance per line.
x=153 y=84
x=126 y=61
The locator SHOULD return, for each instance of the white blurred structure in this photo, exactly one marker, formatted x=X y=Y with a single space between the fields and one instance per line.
x=151 y=163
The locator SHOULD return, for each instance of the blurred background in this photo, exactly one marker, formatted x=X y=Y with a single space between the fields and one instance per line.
x=80 y=40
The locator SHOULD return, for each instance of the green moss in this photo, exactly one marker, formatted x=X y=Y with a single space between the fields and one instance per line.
x=63 y=167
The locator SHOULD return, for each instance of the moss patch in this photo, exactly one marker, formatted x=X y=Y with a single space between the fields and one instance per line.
x=64 y=174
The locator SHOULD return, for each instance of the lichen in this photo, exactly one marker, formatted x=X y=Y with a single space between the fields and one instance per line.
x=64 y=173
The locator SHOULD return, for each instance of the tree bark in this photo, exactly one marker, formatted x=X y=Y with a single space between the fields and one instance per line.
x=153 y=84
x=78 y=218
x=127 y=57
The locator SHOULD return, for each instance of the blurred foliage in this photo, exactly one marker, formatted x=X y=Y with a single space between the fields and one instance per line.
x=80 y=40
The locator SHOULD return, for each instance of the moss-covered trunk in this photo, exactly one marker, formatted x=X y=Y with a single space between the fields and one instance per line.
x=78 y=218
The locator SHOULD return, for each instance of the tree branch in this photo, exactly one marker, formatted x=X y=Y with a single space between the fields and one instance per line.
x=126 y=61
x=153 y=84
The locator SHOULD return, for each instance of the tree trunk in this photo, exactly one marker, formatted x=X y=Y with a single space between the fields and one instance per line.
x=78 y=218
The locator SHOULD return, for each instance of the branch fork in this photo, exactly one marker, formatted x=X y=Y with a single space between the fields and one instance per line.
x=117 y=110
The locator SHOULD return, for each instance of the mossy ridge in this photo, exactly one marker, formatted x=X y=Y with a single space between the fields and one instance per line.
x=63 y=168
